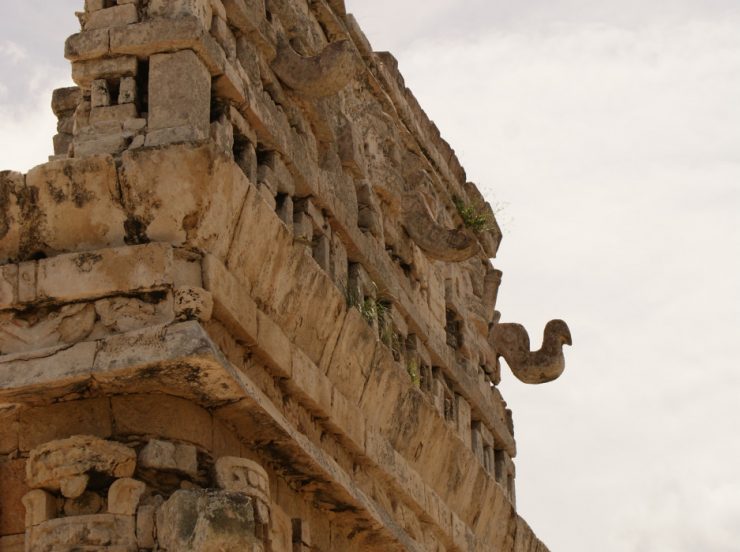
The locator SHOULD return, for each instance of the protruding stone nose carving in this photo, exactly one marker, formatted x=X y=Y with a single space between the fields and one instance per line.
x=316 y=76
x=436 y=241
x=511 y=341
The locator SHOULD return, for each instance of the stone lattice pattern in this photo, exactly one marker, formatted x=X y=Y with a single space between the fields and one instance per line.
x=248 y=304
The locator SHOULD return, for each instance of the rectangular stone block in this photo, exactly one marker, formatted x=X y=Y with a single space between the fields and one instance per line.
x=179 y=92
x=13 y=485
x=84 y=72
x=105 y=272
x=59 y=421
x=116 y=16
x=200 y=9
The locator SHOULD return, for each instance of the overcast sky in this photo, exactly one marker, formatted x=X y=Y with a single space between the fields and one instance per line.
x=609 y=134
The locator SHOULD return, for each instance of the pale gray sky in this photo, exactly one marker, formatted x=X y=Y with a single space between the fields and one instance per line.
x=610 y=131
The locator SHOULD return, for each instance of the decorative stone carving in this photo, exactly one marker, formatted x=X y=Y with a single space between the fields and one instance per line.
x=164 y=455
x=511 y=341
x=103 y=532
x=65 y=464
x=41 y=329
x=316 y=76
x=436 y=241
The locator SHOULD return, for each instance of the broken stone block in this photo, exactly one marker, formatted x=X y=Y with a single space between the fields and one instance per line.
x=207 y=521
x=145 y=522
x=40 y=507
x=193 y=303
x=64 y=464
x=124 y=495
x=127 y=90
x=179 y=93
x=64 y=100
x=165 y=455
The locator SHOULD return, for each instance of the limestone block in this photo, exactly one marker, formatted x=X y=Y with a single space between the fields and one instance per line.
x=111 y=17
x=179 y=92
x=87 y=45
x=193 y=303
x=95 y=532
x=311 y=383
x=63 y=463
x=127 y=90
x=462 y=409
x=65 y=366
x=87 y=504
x=222 y=33
x=77 y=276
x=68 y=205
x=163 y=415
x=243 y=476
x=124 y=495
x=13 y=485
x=125 y=314
x=273 y=345
x=99 y=93
x=13 y=543
x=168 y=456
x=12 y=187
x=62 y=143
x=200 y=9
x=184 y=195
x=145 y=522
x=167 y=35
x=114 y=113
x=40 y=507
x=59 y=421
x=69 y=324
x=85 y=72
x=94 y=5
x=353 y=355
x=9 y=425
x=232 y=304
x=65 y=99
x=207 y=521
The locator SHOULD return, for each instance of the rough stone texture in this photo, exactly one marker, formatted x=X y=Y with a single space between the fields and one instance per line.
x=249 y=304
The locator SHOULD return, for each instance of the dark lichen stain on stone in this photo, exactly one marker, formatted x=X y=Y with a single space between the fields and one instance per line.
x=57 y=194
x=5 y=190
x=135 y=229
x=81 y=196
x=86 y=261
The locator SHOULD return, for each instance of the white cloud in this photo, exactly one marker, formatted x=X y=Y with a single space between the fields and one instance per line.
x=12 y=52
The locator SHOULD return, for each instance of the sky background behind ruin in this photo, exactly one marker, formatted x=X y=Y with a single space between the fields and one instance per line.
x=609 y=134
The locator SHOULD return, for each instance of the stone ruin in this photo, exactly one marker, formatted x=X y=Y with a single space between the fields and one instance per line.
x=248 y=304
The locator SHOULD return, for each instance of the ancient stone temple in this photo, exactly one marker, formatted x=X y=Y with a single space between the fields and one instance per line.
x=248 y=305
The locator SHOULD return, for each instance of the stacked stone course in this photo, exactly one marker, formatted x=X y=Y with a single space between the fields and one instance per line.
x=242 y=306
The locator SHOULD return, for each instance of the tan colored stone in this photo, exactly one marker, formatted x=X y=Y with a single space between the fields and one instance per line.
x=40 y=507
x=179 y=92
x=96 y=532
x=9 y=427
x=84 y=72
x=124 y=495
x=13 y=543
x=232 y=305
x=65 y=462
x=168 y=456
x=111 y=17
x=196 y=201
x=200 y=9
x=87 y=504
x=243 y=476
x=62 y=420
x=12 y=515
x=207 y=521
x=164 y=416
x=145 y=523
x=193 y=303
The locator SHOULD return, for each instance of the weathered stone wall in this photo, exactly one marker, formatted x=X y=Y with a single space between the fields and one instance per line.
x=251 y=259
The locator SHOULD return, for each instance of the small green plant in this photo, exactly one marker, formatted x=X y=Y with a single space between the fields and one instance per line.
x=412 y=367
x=474 y=217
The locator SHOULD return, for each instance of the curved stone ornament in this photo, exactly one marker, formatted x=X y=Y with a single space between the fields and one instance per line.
x=436 y=241
x=511 y=341
x=316 y=76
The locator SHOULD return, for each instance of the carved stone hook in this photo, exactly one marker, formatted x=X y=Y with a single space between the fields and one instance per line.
x=436 y=241
x=511 y=341
x=316 y=76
